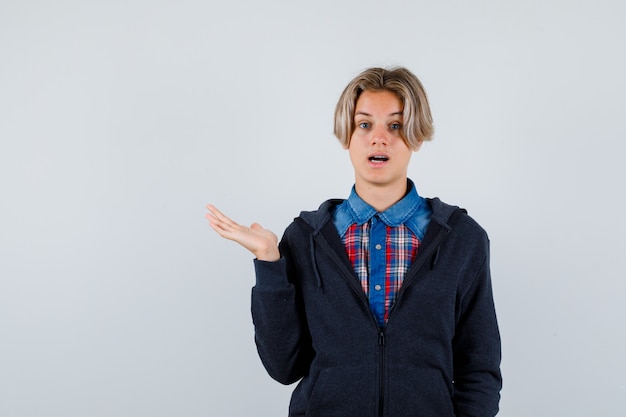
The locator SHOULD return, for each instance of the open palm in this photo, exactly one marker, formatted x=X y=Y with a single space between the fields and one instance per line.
x=263 y=243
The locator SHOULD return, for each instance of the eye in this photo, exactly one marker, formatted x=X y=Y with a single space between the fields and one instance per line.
x=395 y=126
x=364 y=125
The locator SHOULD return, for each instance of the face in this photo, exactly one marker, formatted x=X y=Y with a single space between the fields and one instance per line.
x=378 y=152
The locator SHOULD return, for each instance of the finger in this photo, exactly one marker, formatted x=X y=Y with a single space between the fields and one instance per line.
x=220 y=229
x=217 y=220
x=214 y=211
x=221 y=217
x=223 y=230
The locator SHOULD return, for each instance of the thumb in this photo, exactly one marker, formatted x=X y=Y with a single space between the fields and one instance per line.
x=256 y=226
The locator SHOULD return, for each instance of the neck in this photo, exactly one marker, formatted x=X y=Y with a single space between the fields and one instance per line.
x=381 y=197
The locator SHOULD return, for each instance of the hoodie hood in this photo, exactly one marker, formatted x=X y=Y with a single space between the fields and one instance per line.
x=318 y=218
x=443 y=216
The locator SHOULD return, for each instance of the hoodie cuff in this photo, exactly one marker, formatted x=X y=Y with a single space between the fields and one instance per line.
x=271 y=275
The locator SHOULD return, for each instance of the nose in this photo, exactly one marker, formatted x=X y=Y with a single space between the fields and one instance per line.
x=380 y=136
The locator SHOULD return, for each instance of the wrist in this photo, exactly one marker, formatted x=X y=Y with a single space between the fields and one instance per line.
x=268 y=255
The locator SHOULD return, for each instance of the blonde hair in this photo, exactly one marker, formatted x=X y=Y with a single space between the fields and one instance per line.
x=417 y=123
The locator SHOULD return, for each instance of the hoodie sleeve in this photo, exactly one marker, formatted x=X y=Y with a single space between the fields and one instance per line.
x=281 y=335
x=477 y=378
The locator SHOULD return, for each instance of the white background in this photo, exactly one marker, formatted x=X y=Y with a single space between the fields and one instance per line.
x=120 y=120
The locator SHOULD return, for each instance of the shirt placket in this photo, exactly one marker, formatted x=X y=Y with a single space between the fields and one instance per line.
x=377 y=273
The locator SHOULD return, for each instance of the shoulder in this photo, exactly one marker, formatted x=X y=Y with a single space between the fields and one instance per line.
x=457 y=220
x=314 y=220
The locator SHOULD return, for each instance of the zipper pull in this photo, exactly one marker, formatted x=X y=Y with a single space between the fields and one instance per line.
x=381 y=338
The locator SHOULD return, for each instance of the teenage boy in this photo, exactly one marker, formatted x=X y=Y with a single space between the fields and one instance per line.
x=381 y=304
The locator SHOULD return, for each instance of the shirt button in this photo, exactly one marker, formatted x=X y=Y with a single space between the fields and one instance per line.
x=377 y=287
x=378 y=246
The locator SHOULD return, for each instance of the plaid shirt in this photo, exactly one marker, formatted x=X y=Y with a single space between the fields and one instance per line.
x=382 y=246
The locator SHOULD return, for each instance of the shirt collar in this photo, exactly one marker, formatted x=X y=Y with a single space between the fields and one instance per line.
x=412 y=210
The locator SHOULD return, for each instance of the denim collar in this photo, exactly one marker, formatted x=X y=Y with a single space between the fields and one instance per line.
x=412 y=210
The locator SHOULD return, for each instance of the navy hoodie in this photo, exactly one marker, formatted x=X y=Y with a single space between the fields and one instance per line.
x=437 y=356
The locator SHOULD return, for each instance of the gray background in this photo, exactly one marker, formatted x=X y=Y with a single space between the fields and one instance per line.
x=120 y=120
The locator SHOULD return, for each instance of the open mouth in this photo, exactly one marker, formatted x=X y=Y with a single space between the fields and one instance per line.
x=378 y=158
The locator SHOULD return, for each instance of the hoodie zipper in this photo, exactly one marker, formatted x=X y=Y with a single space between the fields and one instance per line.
x=347 y=273
x=381 y=334
x=381 y=373
x=434 y=245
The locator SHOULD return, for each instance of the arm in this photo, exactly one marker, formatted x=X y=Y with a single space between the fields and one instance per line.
x=281 y=334
x=477 y=350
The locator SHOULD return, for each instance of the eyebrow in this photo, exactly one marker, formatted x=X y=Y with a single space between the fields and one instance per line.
x=398 y=113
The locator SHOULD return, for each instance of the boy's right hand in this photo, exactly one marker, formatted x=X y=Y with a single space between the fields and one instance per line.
x=263 y=243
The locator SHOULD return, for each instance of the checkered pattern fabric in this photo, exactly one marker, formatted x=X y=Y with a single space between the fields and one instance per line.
x=401 y=247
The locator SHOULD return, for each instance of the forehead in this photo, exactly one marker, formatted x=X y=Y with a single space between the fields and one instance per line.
x=378 y=101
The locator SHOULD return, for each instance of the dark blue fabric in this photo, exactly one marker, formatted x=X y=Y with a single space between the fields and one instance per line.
x=439 y=354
